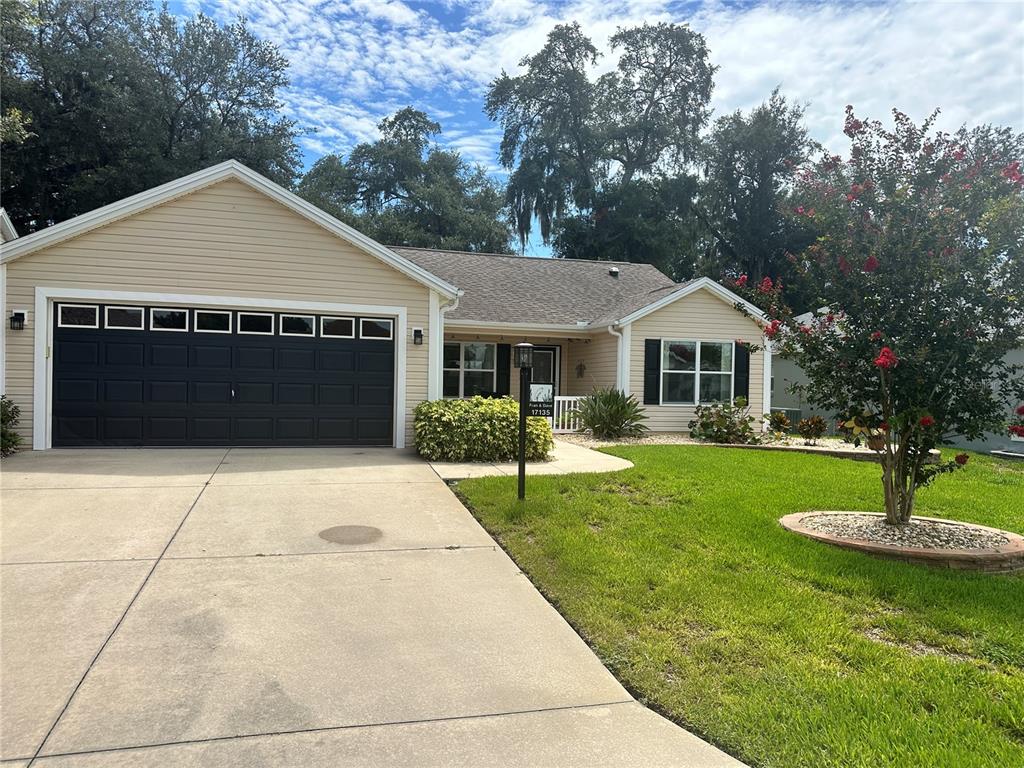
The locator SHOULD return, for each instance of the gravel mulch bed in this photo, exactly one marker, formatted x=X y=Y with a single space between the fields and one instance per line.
x=925 y=534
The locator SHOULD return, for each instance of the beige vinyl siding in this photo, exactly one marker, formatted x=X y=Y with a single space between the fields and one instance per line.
x=599 y=355
x=224 y=240
x=700 y=316
x=539 y=341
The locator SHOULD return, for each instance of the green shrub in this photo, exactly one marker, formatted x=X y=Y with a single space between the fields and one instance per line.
x=610 y=414
x=811 y=429
x=9 y=415
x=477 y=429
x=778 y=422
x=724 y=423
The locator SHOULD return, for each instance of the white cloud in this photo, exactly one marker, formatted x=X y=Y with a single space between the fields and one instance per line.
x=353 y=61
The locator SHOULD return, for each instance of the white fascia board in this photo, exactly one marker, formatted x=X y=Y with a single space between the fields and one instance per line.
x=703 y=283
x=521 y=329
x=230 y=169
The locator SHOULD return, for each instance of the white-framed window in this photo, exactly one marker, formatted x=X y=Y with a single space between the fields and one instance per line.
x=470 y=368
x=124 y=318
x=78 y=316
x=212 y=321
x=695 y=372
x=375 y=328
x=298 y=325
x=338 y=327
x=163 y=319
x=257 y=323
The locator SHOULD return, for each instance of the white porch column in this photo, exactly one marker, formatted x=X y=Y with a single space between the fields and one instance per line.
x=435 y=347
x=625 y=353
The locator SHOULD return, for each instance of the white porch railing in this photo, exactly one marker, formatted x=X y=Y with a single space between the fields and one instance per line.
x=564 y=418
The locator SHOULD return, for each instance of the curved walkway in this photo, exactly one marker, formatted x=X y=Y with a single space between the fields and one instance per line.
x=566 y=458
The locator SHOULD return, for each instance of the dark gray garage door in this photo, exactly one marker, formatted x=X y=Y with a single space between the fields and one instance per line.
x=164 y=376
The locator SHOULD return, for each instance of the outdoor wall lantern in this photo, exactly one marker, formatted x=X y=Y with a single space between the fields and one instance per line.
x=581 y=369
x=417 y=336
x=18 y=321
x=523 y=356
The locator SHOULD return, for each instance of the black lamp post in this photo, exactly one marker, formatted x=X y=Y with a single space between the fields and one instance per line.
x=524 y=362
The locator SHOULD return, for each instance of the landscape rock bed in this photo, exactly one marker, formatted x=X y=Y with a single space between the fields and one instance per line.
x=927 y=540
x=917 y=533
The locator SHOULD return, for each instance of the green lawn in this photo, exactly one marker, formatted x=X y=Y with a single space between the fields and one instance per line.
x=678 y=575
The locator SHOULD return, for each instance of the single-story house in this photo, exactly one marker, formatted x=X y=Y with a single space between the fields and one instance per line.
x=221 y=309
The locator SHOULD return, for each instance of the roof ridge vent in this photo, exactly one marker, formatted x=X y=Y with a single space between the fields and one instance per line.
x=613 y=271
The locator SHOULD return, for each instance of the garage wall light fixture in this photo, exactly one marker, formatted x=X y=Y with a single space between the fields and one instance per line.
x=18 y=321
x=417 y=336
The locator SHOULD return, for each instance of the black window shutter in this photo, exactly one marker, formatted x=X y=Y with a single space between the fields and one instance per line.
x=742 y=385
x=652 y=371
x=504 y=383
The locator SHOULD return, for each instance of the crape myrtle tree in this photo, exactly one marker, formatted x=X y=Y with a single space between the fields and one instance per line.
x=919 y=272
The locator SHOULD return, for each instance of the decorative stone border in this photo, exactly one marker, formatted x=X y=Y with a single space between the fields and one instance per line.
x=1004 y=558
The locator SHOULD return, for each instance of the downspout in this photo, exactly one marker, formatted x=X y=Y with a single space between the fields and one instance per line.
x=454 y=304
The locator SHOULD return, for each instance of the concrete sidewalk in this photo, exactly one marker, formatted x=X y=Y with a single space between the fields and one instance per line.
x=314 y=607
x=566 y=458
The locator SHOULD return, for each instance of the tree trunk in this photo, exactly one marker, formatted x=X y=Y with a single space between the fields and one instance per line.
x=892 y=515
x=899 y=489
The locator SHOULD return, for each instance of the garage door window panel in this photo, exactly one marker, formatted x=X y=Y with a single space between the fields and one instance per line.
x=298 y=325
x=78 y=316
x=212 y=321
x=375 y=328
x=124 y=318
x=168 y=320
x=338 y=327
x=256 y=323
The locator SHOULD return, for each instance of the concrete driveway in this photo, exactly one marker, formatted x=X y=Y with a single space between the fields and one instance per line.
x=315 y=607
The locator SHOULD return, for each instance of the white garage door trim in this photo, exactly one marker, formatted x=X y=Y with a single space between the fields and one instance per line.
x=42 y=365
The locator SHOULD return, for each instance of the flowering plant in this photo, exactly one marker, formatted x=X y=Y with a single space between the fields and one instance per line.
x=1017 y=423
x=906 y=350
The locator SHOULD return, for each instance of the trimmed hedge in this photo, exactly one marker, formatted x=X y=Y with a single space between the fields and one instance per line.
x=9 y=415
x=477 y=429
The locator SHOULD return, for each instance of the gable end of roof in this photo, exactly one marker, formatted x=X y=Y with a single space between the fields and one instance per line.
x=703 y=283
x=230 y=169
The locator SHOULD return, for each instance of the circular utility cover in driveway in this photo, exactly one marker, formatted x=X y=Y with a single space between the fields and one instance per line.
x=351 y=534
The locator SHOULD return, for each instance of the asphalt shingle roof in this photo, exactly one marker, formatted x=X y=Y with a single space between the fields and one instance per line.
x=524 y=289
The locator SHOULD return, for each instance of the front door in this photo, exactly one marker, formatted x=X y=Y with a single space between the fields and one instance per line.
x=544 y=382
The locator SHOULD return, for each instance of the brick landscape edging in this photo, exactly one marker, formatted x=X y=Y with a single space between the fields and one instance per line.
x=1004 y=558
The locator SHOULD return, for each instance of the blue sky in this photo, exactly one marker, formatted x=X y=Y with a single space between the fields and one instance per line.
x=355 y=61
